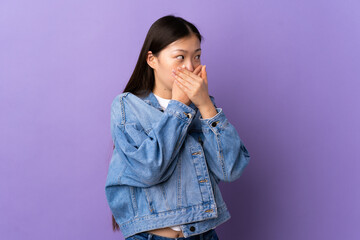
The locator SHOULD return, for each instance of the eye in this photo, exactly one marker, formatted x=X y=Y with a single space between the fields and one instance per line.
x=183 y=56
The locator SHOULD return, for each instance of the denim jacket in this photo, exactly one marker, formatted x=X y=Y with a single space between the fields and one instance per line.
x=166 y=165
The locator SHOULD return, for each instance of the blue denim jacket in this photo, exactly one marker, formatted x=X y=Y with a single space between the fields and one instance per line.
x=166 y=165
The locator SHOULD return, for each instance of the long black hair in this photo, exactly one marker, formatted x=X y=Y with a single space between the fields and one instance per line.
x=162 y=32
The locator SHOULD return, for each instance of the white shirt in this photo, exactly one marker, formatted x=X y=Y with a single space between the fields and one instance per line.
x=162 y=101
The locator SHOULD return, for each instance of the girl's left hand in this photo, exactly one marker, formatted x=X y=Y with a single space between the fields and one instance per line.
x=194 y=85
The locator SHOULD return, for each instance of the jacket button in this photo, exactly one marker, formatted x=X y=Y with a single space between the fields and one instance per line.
x=188 y=115
x=192 y=228
x=214 y=124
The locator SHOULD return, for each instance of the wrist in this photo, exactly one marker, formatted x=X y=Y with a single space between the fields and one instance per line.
x=207 y=110
x=182 y=101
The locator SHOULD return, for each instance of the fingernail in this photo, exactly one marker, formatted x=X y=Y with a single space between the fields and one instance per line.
x=183 y=66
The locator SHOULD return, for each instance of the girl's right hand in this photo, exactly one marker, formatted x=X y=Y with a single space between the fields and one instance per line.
x=178 y=94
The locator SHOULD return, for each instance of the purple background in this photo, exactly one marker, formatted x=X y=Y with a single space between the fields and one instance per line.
x=286 y=74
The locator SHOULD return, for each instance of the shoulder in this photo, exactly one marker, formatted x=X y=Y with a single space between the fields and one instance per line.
x=124 y=106
x=119 y=99
x=120 y=96
x=117 y=106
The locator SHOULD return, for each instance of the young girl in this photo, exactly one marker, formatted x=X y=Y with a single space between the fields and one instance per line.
x=172 y=144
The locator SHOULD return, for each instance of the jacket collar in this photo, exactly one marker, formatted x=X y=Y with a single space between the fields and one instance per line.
x=150 y=99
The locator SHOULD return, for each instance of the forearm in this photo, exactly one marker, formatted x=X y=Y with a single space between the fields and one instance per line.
x=225 y=152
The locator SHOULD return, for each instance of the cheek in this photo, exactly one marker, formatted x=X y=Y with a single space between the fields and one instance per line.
x=174 y=66
x=171 y=67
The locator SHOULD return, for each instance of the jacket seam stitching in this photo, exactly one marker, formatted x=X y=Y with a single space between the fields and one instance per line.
x=209 y=185
x=223 y=208
x=179 y=186
x=220 y=156
x=133 y=200
x=122 y=110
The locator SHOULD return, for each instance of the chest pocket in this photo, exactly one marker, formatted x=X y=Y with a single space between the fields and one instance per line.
x=136 y=132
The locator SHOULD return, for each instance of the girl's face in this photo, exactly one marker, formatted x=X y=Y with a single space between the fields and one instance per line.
x=185 y=51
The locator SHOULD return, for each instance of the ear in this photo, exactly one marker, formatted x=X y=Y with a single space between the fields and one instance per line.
x=151 y=60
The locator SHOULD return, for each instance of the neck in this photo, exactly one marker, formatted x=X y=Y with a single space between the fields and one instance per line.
x=163 y=94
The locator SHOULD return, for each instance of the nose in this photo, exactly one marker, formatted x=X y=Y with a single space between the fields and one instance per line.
x=190 y=66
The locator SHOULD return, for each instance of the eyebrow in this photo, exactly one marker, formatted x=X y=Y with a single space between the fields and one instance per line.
x=185 y=50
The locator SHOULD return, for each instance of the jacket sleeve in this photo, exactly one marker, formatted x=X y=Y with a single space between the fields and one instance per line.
x=225 y=153
x=146 y=159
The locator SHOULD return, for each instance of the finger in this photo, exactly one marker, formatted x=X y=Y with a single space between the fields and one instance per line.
x=185 y=77
x=197 y=70
x=199 y=74
x=189 y=73
x=204 y=74
x=181 y=85
x=184 y=82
